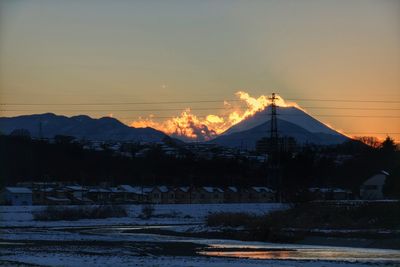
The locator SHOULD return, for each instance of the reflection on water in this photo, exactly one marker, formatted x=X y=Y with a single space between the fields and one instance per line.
x=329 y=253
x=210 y=247
x=261 y=250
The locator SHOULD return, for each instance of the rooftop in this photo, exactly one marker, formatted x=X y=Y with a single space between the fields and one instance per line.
x=19 y=190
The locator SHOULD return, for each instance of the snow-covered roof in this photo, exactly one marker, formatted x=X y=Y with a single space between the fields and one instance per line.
x=233 y=188
x=377 y=179
x=115 y=190
x=83 y=199
x=340 y=190
x=47 y=189
x=163 y=188
x=19 y=190
x=385 y=172
x=260 y=189
x=147 y=189
x=99 y=190
x=126 y=187
x=320 y=189
x=184 y=188
x=75 y=187
x=211 y=189
x=328 y=190
x=58 y=199
x=135 y=189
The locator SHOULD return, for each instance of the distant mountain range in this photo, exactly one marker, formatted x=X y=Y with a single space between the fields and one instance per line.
x=81 y=126
x=292 y=122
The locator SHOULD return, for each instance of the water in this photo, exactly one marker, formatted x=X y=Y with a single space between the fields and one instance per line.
x=292 y=252
x=215 y=248
x=273 y=251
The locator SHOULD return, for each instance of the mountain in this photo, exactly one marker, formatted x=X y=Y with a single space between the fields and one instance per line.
x=289 y=114
x=81 y=126
x=291 y=122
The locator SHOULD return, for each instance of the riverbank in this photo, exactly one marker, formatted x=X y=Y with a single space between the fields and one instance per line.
x=130 y=246
x=386 y=241
x=373 y=224
x=23 y=216
x=175 y=235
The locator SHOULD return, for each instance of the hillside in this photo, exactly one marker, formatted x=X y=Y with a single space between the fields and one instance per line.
x=247 y=139
x=289 y=114
x=81 y=126
x=292 y=122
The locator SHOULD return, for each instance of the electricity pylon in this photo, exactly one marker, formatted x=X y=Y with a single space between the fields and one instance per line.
x=273 y=155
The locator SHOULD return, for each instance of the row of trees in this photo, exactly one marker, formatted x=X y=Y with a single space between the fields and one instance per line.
x=346 y=165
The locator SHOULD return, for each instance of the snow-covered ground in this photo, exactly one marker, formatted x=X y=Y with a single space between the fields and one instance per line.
x=121 y=242
x=65 y=259
x=106 y=246
x=164 y=214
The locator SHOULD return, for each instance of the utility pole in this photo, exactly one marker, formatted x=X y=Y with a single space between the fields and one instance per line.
x=273 y=155
x=274 y=125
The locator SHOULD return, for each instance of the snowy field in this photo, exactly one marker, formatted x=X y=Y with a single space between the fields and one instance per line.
x=80 y=260
x=123 y=242
x=164 y=214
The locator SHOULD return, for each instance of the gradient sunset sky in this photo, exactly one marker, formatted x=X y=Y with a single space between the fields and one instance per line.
x=63 y=52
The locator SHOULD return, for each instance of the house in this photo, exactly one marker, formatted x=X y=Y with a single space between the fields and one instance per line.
x=261 y=194
x=40 y=194
x=77 y=194
x=183 y=195
x=341 y=194
x=207 y=194
x=245 y=195
x=99 y=195
x=161 y=195
x=255 y=194
x=17 y=196
x=231 y=194
x=134 y=194
x=323 y=193
x=117 y=195
x=372 y=189
x=57 y=200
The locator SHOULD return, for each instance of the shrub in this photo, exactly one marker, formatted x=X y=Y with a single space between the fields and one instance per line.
x=366 y=215
x=233 y=219
x=56 y=213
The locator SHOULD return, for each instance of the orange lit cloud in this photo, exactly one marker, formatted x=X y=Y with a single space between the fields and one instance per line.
x=192 y=127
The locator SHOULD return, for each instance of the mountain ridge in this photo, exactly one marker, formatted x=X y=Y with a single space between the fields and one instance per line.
x=80 y=126
x=249 y=138
x=292 y=122
x=289 y=114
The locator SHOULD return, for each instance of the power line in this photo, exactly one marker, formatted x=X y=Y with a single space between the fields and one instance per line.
x=207 y=108
x=343 y=100
x=197 y=101
x=118 y=103
x=352 y=108
x=371 y=133
x=264 y=132
x=316 y=115
x=222 y=115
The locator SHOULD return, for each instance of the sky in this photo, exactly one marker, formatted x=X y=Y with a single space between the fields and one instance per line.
x=58 y=53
